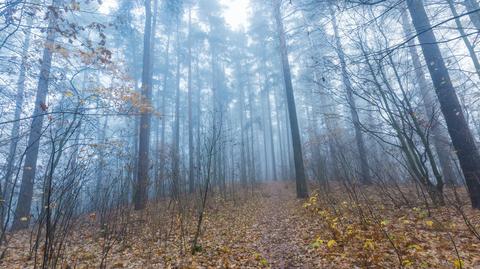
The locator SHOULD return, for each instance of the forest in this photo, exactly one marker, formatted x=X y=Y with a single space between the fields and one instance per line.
x=239 y=134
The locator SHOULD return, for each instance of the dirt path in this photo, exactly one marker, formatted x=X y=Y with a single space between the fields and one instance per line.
x=272 y=229
x=280 y=243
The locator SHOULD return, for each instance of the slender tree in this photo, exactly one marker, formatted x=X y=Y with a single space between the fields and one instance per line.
x=141 y=193
x=191 y=178
x=301 y=182
x=22 y=211
x=360 y=141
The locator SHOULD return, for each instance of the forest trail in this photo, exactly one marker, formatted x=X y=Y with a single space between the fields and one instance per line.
x=270 y=228
x=279 y=219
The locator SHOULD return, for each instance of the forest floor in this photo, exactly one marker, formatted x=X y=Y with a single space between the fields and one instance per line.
x=272 y=229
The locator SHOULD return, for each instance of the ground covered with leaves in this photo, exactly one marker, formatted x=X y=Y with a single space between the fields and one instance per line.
x=268 y=228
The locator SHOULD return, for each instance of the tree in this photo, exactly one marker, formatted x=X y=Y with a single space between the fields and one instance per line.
x=301 y=182
x=439 y=133
x=15 y=132
x=362 y=152
x=458 y=128
x=22 y=211
x=141 y=193
x=191 y=178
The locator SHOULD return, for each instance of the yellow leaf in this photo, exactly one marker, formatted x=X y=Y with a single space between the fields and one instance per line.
x=458 y=263
x=415 y=247
x=317 y=243
x=429 y=223
x=350 y=230
x=369 y=244
x=407 y=263
x=331 y=243
x=384 y=222
x=118 y=264
x=68 y=94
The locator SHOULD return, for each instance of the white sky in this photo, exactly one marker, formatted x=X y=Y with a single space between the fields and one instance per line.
x=236 y=12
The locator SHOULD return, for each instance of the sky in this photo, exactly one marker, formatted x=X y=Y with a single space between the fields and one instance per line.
x=236 y=12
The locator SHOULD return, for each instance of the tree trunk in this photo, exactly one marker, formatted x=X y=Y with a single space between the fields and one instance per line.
x=241 y=109
x=6 y=191
x=253 y=138
x=301 y=182
x=458 y=128
x=162 y=167
x=22 y=211
x=141 y=188
x=176 y=125
x=280 y=139
x=270 y=128
x=191 y=179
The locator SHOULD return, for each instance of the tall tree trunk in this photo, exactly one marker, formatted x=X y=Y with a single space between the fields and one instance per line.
x=157 y=97
x=270 y=128
x=176 y=124
x=161 y=177
x=362 y=152
x=7 y=184
x=191 y=179
x=439 y=134
x=301 y=182
x=280 y=136
x=22 y=211
x=253 y=138
x=264 y=132
x=100 y=173
x=458 y=128
x=198 y=118
x=141 y=188
x=241 y=111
